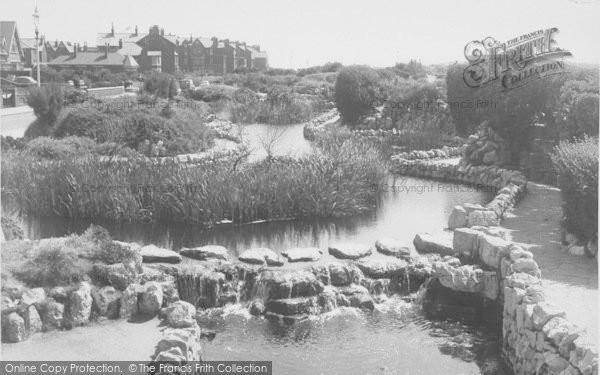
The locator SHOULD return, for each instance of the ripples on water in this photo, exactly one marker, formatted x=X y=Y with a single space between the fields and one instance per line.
x=393 y=339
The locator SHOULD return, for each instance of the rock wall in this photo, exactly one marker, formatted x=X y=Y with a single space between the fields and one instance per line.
x=486 y=147
x=313 y=127
x=536 y=336
x=510 y=186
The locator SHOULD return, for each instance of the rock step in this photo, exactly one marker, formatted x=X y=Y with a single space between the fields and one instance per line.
x=286 y=320
x=293 y=306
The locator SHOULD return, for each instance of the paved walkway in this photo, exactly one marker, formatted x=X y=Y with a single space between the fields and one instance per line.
x=570 y=281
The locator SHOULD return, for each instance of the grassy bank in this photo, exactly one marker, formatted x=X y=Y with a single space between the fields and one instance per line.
x=331 y=182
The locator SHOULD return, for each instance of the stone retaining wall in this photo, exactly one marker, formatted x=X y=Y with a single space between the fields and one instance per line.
x=536 y=337
x=510 y=185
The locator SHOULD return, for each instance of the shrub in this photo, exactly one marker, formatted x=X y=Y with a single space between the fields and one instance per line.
x=104 y=248
x=38 y=128
x=163 y=85
x=579 y=108
x=11 y=229
x=10 y=143
x=46 y=101
x=355 y=92
x=213 y=93
x=577 y=166
x=51 y=266
x=49 y=148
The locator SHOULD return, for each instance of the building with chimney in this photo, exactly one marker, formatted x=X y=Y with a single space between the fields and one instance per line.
x=11 y=51
x=82 y=59
x=158 y=51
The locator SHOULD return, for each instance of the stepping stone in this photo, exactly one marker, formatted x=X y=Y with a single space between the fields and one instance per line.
x=345 y=250
x=206 y=252
x=380 y=269
x=394 y=247
x=292 y=306
x=260 y=255
x=426 y=243
x=303 y=254
x=154 y=254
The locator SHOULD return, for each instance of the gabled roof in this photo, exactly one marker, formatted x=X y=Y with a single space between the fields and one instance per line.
x=130 y=49
x=258 y=54
x=92 y=59
x=30 y=43
x=68 y=46
x=8 y=34
x=113 y=39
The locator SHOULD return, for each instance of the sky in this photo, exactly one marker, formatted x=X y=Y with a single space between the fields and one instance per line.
x=298 y=34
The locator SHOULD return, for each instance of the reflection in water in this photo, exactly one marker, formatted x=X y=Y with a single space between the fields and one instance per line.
x=393 y=339
x=413 y=206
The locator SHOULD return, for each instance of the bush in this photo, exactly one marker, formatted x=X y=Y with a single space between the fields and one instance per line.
x=105 y=249
x=579 y=108
x=51 y=266
x=163 y=85
x=213 y=93
x=355 y=92
x=577 y=166
x=38 y=128
x=49 y=148
x=47 y=102
x=11 y=229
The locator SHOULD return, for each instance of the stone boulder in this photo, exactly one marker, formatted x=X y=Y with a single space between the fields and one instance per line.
x=33 y=321
x=107 y=302
x=293 y=306
x=465 y=242
x=345 y=250
x=206 y=252
x=394 y=247
x=458 y=218
x=180 y=314
x=492 y=249
x=286 y=284
x=33 y=296
x=426 y=243
x=151 y=298
x=485 y=218
x=129 y=301
x=155 y=254
x=80 y=304
x=14 y=328
x=256 y=308
x=184 y=340
x=382 y=268
x=303 y=254
x=261 y=255
x=53 y=315
x=341 y=274
x=59 y=294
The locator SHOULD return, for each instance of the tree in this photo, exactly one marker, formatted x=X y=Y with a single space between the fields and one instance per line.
x=47 y=102
x=356 y=90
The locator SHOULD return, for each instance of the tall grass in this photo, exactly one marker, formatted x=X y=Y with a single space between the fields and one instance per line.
x=331 y=182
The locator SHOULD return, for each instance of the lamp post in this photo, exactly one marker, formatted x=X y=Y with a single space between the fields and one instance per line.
x=36 y=22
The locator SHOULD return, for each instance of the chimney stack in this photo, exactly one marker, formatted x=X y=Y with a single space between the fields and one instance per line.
x=112 y=29
x=84 y=46
x=136 y=30
x=162 y=32
x=74 y=50
x=120 y=43
x=215 y=42
x=226 y=43
x=106 y=51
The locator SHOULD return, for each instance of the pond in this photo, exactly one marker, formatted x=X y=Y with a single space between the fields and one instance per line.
x=395 y=338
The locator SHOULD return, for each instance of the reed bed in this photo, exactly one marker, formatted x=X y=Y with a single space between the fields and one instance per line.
x=332 y=182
